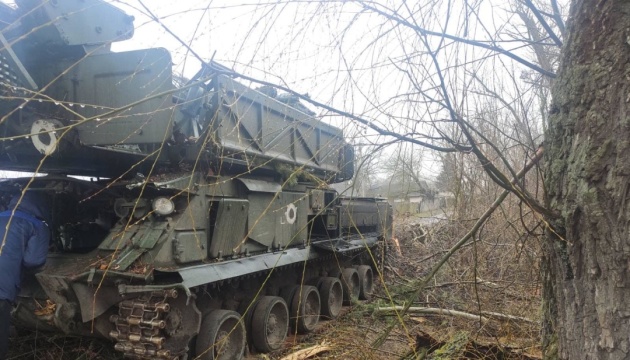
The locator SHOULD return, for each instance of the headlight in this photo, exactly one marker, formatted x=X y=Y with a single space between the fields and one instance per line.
x=163 y=206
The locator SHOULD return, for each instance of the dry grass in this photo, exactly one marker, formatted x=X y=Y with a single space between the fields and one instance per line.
x=46 y=346
x=498 y=272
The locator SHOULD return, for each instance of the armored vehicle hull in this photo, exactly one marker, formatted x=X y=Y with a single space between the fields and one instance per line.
x=154 y=279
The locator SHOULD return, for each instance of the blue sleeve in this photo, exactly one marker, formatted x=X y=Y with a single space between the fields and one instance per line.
x=37 y=248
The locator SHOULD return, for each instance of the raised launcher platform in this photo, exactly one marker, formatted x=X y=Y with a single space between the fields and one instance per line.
x=72 y=106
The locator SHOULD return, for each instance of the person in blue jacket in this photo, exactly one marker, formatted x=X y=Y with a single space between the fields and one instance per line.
x=24 y=241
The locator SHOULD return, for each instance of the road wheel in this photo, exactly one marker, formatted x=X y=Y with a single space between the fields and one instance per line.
x=221 y=336
x=304 y=308
x=331 y=293
x=351 y=285
x=366 y=279
x=269 y=323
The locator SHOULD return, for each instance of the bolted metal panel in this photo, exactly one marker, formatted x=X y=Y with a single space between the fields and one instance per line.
x=262 y=218
x=190 y=246
x=364 y=215
x=229 y=234
x=117 y=81
x=359 y=212
x=292 y=219
x=276 y=220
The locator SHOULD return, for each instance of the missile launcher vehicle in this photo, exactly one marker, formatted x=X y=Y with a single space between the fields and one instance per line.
x=188 y=221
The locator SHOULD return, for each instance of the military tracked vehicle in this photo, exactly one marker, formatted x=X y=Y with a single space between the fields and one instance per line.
x=189 y=220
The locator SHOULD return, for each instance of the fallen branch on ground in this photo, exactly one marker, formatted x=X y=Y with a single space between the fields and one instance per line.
x=484 y=316
x=508 y=317
x=433 y=311
x=308 y=352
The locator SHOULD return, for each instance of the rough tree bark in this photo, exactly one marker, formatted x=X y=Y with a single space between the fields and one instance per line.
x=587 y=297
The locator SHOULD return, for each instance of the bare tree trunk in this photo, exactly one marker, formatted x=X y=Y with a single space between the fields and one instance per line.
x=588 y=177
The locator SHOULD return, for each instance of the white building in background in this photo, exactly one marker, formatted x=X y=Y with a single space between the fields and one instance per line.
x=415 y=203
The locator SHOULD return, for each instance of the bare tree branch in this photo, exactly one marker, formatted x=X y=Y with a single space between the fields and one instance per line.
x=543 y=22
x=557 y=18
x=462 y=40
